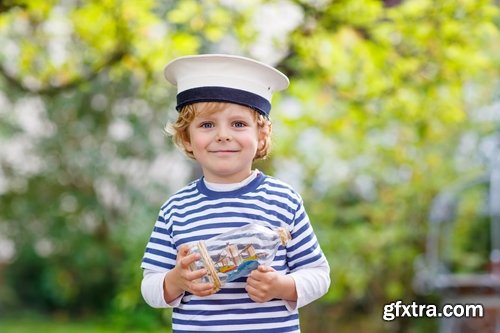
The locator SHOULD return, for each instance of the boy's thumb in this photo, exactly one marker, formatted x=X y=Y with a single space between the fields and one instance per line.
x=264 y=268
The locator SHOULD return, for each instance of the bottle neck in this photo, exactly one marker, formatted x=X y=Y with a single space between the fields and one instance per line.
x=285 y=235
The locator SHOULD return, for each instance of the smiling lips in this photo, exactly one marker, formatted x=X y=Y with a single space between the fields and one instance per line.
x=222 y=151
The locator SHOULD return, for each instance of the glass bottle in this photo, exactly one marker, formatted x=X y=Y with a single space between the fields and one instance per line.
x=236 y=253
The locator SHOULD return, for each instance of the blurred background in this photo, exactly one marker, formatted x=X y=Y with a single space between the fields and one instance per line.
x=392 y=104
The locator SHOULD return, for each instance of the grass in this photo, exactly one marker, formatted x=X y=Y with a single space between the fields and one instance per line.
x=49 y=325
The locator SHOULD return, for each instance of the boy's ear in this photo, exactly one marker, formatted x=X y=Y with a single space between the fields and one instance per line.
x=262 y=142
x=264 y=134
x=188 y=146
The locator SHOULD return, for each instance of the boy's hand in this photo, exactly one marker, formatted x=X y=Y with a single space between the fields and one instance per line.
x=181 y=278
x=264 y=284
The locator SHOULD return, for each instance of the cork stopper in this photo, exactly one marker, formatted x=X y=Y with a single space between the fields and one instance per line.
x=284 y=235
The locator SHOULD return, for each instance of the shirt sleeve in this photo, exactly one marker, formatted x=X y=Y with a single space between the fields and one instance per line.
x=161 y=252
x=159 y=258
x=311 y=284
x=308 y=265
x=152 y=290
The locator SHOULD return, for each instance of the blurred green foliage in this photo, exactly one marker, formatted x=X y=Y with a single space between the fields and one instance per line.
x=381 y=96
x=27 y=323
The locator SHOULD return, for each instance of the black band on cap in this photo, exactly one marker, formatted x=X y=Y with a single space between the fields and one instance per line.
x=223 y=94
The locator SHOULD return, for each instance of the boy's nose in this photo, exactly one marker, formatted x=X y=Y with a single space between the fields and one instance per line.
x=223 y=135
x=221 y=138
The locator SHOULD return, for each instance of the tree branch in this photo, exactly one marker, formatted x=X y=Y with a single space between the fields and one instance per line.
x=48 y=89
x=17 y=82
x=6 y=5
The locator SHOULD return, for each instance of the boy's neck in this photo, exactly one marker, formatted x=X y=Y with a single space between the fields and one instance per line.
x=230 y=186
x=233 y=179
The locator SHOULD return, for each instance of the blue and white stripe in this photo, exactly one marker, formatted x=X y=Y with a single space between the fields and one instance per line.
x=195 y=213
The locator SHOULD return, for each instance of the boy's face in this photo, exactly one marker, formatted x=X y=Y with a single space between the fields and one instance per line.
x=224 y=142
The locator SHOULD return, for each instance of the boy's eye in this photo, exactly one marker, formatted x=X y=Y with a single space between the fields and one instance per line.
x=239 y=124
x=206 y=125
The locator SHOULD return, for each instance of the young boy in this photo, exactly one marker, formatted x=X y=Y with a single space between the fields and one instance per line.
x=224 y=103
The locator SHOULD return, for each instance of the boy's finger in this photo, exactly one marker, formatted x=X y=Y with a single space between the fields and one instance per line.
x=196 y=274
x=183 y=250
x=265 y=269
x=202 y=288
x=189 y=259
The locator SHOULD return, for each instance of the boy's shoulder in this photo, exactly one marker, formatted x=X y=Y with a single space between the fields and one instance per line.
x=190 y=187
x=188 y=191
x=281 y=186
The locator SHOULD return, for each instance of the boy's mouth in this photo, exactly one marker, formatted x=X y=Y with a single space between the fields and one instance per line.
x=222 y=151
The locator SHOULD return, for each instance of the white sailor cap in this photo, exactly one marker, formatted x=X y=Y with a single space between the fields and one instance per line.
x=224 y=78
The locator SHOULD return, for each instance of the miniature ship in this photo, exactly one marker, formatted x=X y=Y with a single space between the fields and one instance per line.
x=237 y=263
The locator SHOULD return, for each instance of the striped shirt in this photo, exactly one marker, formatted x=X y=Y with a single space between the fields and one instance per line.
x=197 y=213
